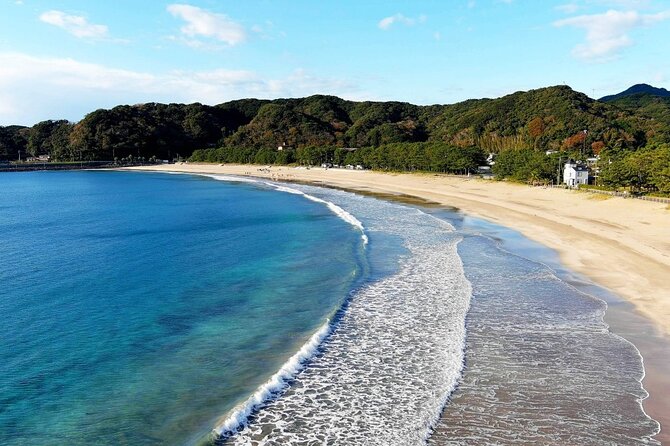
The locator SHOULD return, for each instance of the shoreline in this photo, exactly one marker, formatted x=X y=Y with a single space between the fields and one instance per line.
x=617 y=243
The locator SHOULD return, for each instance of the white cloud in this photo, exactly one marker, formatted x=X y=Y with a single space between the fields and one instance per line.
x=387 y=22
x=200 y=22
x=568 y=8
x=76 y=25
x=607 y=33
x=37 y=88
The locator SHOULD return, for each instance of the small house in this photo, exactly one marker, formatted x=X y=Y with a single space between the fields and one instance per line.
x=575 y=173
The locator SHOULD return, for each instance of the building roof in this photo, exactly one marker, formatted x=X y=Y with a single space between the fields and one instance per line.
x=578 y=166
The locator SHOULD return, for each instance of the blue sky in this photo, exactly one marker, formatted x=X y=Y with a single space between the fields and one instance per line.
x=65 y=58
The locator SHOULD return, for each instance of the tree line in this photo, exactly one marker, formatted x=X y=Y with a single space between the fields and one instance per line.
x=646 y=170
x=427 y=156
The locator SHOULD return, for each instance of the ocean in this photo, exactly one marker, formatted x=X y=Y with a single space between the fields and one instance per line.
x=147 y=308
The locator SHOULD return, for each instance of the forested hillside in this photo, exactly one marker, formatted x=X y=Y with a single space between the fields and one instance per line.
x=631 y=132
x=548 y=118
x=656 y=108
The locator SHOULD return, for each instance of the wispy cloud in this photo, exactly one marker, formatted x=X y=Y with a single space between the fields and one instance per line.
x=607 y=33
x=76 y=25
x=568 y=8
x=387 y=22
x=628 y=4
x=36 y=88
x=203 y=23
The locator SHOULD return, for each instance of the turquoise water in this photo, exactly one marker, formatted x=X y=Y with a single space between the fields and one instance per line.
x=139 y=308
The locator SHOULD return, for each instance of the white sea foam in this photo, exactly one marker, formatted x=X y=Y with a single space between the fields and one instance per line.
x=384 y=372
x=240 y=414
x=230 y=178
x=382 y=376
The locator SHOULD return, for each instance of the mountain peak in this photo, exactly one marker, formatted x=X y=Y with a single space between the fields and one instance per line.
x=638 y=89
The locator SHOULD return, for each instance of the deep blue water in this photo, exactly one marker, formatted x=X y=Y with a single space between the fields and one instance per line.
x=139 y=308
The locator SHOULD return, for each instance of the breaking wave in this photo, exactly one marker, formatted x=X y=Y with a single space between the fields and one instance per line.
x=383 y=372
x=335 y=209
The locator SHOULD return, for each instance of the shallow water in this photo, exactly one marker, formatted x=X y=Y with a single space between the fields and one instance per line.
x=542 y=366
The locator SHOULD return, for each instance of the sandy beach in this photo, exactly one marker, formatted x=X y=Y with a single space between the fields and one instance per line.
x=620 y=244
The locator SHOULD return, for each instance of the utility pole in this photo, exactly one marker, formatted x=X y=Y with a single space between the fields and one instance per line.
x=584 y=144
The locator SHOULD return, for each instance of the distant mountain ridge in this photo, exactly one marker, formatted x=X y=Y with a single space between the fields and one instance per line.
x=637 y=89
x=647 y=102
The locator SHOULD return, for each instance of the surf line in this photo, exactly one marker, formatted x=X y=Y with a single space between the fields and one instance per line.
x=272 y=387
x=335 y=209
x=238 y=418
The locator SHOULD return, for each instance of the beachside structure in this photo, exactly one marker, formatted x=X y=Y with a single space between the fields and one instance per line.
x=575 y=173
x=485 y=172
x=592 y=161
x=39 y=158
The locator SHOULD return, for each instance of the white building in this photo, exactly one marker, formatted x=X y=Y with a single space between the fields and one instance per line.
x=575 y=174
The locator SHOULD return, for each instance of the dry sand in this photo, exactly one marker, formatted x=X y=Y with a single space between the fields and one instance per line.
x=620 y=244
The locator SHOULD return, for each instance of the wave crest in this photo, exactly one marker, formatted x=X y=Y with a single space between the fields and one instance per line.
x=344 y=215
x=240 y=415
